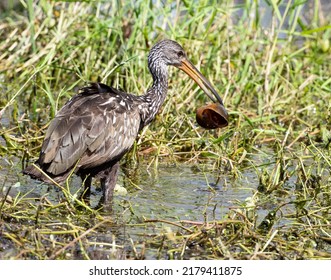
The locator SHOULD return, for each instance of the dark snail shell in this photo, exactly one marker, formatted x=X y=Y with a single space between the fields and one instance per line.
x=212 y=116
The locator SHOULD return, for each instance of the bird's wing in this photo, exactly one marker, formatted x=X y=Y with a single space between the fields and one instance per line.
x=94 y=127
x=112 y=140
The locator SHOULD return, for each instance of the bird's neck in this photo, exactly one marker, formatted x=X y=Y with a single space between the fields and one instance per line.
x=155 y=96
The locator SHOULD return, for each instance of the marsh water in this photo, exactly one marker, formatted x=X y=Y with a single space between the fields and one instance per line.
x=169 y=192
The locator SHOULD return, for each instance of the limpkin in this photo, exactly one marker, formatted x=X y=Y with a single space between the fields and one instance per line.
x=96 y=127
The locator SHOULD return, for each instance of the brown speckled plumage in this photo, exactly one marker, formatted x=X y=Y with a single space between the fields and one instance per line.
x=99 y=125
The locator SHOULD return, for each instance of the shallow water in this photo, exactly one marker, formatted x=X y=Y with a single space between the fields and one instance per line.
x=170 y=192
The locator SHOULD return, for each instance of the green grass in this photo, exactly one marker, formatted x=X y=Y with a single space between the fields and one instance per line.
x=274 y=78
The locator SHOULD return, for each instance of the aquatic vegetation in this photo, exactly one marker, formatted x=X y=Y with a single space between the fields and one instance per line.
x=258 y=189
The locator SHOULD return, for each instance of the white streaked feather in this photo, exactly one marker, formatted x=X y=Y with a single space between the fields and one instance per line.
x=110 y=100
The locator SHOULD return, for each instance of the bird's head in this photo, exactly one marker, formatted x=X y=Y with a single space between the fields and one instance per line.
x=168 y=52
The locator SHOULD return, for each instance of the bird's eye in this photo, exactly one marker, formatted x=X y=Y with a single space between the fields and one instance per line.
x=180 y=53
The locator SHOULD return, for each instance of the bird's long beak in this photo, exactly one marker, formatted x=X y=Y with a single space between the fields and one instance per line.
x=204 y=84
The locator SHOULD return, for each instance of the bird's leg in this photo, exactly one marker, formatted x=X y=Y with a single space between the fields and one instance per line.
x=108 y=182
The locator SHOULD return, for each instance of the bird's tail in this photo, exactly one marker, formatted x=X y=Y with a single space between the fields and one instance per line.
x=35 y=173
